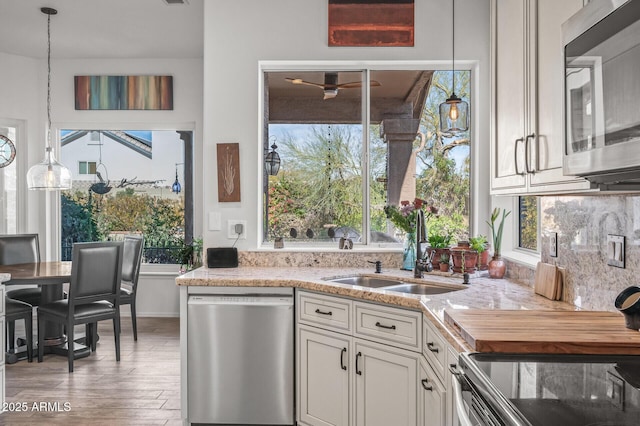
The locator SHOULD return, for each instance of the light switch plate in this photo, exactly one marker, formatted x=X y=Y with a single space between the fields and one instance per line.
x=215 y=221
x=553 y=244
x=615 y=250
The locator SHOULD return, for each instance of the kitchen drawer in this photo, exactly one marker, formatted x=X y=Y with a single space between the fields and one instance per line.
x=398 y=327
x=435 y=348
x=324 y=311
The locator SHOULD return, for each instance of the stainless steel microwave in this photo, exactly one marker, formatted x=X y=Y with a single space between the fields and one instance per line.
x=602 y=94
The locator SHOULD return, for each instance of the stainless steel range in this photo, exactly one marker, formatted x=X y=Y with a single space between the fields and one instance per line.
x=548 y=390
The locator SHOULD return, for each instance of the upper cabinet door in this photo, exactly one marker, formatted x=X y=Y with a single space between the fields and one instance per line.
x=548 y=124
x=508 y=49
x=528 y=125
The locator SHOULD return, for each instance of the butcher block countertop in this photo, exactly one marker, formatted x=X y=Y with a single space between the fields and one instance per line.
x=483 y=294
x=535 y=331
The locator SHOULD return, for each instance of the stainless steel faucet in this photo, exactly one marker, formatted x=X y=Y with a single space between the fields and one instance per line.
x=421 y=264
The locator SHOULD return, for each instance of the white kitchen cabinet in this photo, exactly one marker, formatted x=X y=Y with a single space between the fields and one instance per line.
x=527 y=77
x=361 y=377
x=386 y=389
x=450 y=409
x=432 y=396
x=324 y=393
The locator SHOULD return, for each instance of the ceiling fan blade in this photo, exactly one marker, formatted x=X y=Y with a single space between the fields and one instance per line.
x=307 y=83
x=356 y=84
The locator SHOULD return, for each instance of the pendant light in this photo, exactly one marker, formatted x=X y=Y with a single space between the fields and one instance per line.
x=176 y=187
x=272 y=161
x=454 y=112
x=49 y=174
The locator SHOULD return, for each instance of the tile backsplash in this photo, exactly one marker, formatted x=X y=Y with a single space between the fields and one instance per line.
x=582 y=224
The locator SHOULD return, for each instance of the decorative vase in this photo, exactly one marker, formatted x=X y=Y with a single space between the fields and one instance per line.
x=409 y=252
x=497 y=267
x=463 y=252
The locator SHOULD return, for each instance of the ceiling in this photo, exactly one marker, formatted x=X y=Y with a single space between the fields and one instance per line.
x=97 y=29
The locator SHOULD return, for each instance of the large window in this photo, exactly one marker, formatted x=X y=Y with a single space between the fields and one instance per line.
x=129 y=182
x=342 y=160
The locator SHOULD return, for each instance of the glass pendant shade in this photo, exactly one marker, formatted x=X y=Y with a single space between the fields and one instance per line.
x=272 y=162
x=49 y=175
x=176 y=187
x=454 y=116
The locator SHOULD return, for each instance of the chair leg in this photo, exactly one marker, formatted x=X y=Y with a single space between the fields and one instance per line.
x=116 y=334
x=133 y=321
x=88 y=338
x=70 y=345
x=28 y=326
x=94 y=335
x=40 y=337
x=12 y=335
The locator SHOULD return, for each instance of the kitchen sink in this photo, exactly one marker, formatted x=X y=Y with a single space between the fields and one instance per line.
x=393 y=285
x=372 y=282
x=419 y=288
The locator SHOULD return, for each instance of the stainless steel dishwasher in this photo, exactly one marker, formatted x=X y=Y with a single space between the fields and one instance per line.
x=241 y=357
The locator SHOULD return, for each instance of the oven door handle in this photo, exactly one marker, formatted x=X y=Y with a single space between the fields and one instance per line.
x=463 y=417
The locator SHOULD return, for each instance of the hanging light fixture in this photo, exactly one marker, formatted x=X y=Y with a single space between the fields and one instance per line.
x=49 y=174
x=272 y=161
x=176 y=187
x=454 y=112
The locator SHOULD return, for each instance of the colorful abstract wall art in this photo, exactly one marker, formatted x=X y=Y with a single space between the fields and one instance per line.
x=371 y=22
x=113 y=92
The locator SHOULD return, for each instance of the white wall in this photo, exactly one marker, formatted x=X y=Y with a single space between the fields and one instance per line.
x=238 y=36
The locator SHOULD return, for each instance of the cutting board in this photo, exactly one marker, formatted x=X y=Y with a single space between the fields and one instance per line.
x=523 y=331
x=548 y=281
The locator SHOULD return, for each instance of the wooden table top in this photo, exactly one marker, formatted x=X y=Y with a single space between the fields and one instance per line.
x=39 y=273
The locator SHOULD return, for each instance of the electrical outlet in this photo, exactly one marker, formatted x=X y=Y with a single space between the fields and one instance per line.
x=237 y=225
x=553 y=244
x=615 y=250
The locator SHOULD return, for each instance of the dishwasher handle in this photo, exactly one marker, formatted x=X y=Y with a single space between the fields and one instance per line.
x=243 y=299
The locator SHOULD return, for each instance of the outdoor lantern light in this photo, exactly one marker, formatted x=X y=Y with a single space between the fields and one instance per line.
x=176 y=187
x=454 y=112
x=272 y=161
x=49 y=174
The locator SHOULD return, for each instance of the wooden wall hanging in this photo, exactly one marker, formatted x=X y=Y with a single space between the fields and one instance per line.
x=228 y=172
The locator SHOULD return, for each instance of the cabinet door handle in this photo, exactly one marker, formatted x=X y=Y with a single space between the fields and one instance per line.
x=432 y=347
x=425 y=385
x=527 y=153
x=358 y=371
x=515 y=155
x=388 y=327
x=318 y=311
x=342 y=352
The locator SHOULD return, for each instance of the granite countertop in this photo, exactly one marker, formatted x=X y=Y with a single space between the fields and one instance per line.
x=4 y=277
x=482 y=293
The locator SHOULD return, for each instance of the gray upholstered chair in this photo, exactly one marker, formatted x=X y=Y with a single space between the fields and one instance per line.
x=132 y=258
x=94 y=293
x=16 y=249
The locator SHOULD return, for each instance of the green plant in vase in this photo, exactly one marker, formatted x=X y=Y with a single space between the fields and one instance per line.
x=479 y=244
x=439 y=244
x=444 y=262
x=497 y=266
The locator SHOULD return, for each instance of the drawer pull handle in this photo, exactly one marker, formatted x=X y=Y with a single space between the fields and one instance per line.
x=432 y=347
x=358 y=371
x=318 y=311
x=425 y=385
x=342 y=352
x=388 y=327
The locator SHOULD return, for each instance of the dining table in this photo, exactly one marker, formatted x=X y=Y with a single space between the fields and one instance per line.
x=51 y=277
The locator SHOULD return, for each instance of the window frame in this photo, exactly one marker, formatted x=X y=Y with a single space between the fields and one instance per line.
x=53 y=219
x=475 y=192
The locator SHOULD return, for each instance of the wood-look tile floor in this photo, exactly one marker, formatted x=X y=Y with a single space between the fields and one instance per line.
x=142 y=389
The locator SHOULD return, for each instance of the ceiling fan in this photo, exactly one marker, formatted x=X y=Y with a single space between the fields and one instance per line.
x=331 y=86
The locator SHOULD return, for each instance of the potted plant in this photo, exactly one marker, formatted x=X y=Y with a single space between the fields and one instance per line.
x=438 y=245
x=479 y=244
x=444 y=262
x=497 y=266
x=464 y=258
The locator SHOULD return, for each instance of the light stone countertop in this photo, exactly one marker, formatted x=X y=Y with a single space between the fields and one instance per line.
x=4 y=277
x=482 y=292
